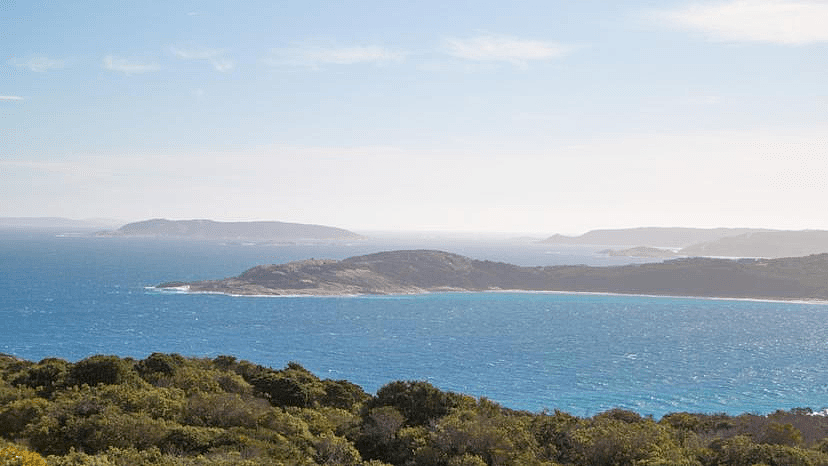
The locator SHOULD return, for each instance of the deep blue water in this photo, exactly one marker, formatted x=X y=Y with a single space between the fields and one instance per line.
x=73 y=297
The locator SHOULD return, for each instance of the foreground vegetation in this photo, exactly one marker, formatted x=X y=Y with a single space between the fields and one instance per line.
x=171 y=410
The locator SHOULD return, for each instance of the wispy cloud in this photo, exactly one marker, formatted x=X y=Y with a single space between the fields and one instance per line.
x=495 y=48
x=787 y=22
x=128 y=66
x=217 y=58
x=316 y=56
x=39 y=64
x=10 y=97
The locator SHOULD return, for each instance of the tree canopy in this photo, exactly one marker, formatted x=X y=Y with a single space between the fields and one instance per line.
x=168 y=409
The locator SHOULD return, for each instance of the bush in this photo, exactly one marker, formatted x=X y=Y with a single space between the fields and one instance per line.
x=399 y=448
x=233 y=383
x=605 y=440
x=158 y=364
x=15 y=416
x=190 y=439
x=289 y=426
x=342 y=394
x=467 y=460
x=624 y=415
x=46 y=376
x=108 y=370
x=377 y=438
x=192 y=380
x=224 y=362
x=486 y=432
x=741 y=451
x=16 y=456
x=419 y=402
x=224 y=410
x=333 y=450
x=91 y=425
x=781 y=434
x=282 y=391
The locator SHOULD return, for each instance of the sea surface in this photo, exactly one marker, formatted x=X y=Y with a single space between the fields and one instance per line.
x=75 y=296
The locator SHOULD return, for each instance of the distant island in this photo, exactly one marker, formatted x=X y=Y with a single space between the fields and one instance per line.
x=641 y=251
x=421 y=271
x=713 y=242
x=242 y=231
x=650 y=236
x=763 y=244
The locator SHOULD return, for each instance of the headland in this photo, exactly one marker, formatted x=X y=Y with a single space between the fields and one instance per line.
x=424 y=271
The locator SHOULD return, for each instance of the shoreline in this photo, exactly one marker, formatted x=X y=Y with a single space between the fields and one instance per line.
x=186 y=290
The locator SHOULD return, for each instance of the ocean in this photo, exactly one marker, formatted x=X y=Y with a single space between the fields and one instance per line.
x=75 y=296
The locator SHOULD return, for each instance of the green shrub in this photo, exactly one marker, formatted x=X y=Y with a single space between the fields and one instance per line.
x=233 y=383
x=47 y=376
x=467 y=460
x=190 y=439
x=333 y=450
x=12 y=455
x=283 y=391
x=342 y=394
x=225 y=363
x=224 y=410
x=741 y=451
x=108 y=370
x=378 y=436
x=781 y=434
x=418 y=402
x=287 y=425
x=15 y=416
x=487 y=432
x=92 y=425
x=158 y=364
x=606 y=440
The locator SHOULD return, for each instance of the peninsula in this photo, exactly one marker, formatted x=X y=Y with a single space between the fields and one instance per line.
x=421 y=271
x=243 y=231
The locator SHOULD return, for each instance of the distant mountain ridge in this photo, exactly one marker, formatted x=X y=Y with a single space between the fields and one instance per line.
x=420 y=271
x=763 y=244
x=651 y=236
x=697 y=242
x=210 y=229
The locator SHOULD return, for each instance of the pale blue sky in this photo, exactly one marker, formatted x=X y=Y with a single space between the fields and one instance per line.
x=526 y=116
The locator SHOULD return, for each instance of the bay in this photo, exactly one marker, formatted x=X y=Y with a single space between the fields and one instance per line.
x=71 y=297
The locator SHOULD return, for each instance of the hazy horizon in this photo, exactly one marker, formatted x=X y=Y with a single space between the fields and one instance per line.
x=103 y=224
x=535 y=116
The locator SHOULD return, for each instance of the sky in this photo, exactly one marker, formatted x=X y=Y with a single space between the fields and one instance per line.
x=554 y=116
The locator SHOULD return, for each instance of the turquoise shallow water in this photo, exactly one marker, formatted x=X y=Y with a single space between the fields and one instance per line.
x=73 y=297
